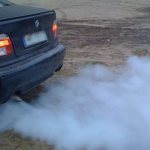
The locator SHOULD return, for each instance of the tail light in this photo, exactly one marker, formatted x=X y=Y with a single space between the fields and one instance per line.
x=5 y=45
x=55 y=29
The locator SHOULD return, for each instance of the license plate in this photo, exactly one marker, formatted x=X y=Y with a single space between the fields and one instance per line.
x=34 y=38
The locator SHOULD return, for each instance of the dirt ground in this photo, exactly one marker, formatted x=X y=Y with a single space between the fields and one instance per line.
x=93 y=31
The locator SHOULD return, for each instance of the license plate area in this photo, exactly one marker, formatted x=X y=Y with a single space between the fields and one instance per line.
x=34 y=39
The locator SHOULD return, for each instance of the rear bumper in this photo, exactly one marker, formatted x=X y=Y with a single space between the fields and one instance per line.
x=27 y=74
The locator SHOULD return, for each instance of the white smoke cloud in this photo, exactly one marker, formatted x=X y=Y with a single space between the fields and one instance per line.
x=95 y=110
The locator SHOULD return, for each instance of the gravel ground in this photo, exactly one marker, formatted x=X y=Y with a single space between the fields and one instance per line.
x=94 y=31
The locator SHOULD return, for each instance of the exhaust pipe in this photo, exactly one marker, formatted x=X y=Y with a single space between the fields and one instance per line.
x=16 y=98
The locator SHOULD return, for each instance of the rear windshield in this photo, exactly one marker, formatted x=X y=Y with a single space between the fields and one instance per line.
x=4 y=3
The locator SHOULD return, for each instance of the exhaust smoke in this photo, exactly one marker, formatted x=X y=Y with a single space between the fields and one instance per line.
x=94 y=110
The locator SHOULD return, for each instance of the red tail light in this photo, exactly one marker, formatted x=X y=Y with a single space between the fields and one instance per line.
x=5 y=45
x=55 y=29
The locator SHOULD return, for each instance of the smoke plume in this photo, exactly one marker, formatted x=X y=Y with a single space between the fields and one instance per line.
x=97 y=109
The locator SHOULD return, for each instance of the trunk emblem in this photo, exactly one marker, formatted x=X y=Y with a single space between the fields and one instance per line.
x=37 y=23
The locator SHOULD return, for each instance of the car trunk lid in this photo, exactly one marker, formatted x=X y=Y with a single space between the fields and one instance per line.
x=17 y=11
x=29 y=28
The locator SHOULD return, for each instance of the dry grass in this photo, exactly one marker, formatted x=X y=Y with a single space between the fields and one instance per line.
x=12 y=141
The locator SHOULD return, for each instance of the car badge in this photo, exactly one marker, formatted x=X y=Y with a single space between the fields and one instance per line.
x=37 y=23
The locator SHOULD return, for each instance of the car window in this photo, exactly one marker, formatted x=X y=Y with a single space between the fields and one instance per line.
x=1 y=5
x=4 y=3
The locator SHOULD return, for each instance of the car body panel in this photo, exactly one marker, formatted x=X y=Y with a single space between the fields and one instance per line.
x=19 y=11
x=27 y=67
x=25 y=75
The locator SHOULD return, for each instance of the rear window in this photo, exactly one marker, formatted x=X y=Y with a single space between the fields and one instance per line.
x=4 y=3
x=1 y=5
